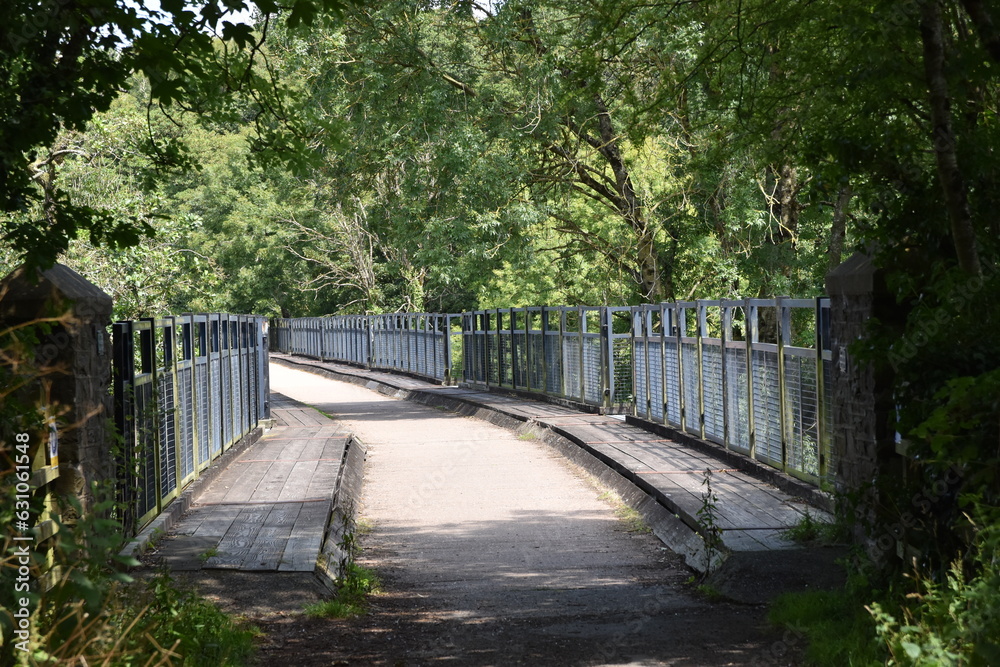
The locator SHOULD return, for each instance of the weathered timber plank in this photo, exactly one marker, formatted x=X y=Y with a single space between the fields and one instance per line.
x=235 y=544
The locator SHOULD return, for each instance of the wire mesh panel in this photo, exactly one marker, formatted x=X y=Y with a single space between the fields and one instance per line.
x=571 y=366
x=552 y=342
x=737 y=392
x=767 y=404
x=802 y=412
x=643 y=406
x=187 y=419
x=692 y=400
x=592 y=375
x=712 y=390
x=202 y=392
x=165 y=381
x=146 y=449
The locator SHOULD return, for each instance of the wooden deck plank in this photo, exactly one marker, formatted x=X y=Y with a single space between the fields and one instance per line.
x=269 y=545
x=236 y=543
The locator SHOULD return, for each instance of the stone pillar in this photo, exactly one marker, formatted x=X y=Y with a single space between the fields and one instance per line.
x=74 y=358
x=863 y=443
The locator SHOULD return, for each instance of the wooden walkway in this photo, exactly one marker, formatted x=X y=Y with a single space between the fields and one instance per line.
x=267 y=511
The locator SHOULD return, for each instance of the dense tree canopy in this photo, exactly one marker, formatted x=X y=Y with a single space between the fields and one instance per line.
x=63 y=62
x=452 y=155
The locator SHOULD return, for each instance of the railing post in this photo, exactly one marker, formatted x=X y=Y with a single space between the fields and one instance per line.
x=529 y=358
x=545 y=349
x=582 y=329
x=702 y=327
x=726 y=315
x=515 y=367
x=784 y=317
x=664 y=323
x=607 y=358
x=752 y=334
x=822 y=342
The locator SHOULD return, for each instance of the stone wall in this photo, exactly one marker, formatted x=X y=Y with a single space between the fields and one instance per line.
x=74 y=360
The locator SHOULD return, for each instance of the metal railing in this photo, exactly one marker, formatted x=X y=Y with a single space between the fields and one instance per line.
x=580 y=353
x=186 y=388
x=751 y=375
x=416 y=343
x=739 y=374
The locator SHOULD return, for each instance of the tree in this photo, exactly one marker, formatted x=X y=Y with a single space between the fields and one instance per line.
x=60 y=63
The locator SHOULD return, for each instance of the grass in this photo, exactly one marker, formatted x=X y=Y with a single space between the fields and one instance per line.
x=836 y=626
x=711 y=592
x=364 y=527
x=352 y=594
x=152 y=619
x=630 y=518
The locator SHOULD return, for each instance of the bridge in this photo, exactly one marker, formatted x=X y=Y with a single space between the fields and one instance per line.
x=246 y=442
x=490 y=512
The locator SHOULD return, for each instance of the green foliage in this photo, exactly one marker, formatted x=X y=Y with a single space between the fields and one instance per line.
x=64 y=64
x=708 y=522
x=954 y=620
x=192 y=627
x=353 y=589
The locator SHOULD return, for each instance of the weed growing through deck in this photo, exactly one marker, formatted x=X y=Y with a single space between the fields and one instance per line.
x=708 y=521
x=811 y=532
x=355 y=582
x=208 y=553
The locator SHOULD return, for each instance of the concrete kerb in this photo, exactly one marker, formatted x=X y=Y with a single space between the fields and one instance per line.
x=173 y=511
x=677 y=532
x=337 y=550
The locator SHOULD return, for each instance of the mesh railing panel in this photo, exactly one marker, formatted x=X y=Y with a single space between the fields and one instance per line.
x=185 y=404
x=737 y=405
x=622 y=396
x=803 y=440
x=692 y=402
x=712 y=391
x=767 y=406
x=592 y=369
x=671 y=371
x=642 y=406
x=168 y=435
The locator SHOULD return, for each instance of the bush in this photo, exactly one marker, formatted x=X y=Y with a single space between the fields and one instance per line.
x=951 y=622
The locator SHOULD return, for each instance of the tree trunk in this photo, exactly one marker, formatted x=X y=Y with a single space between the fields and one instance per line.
x=632 y=208
x=943 y=138
x=838 y=227
x=983 y=21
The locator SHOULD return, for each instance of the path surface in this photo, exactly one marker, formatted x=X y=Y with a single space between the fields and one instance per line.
x=495 y=551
